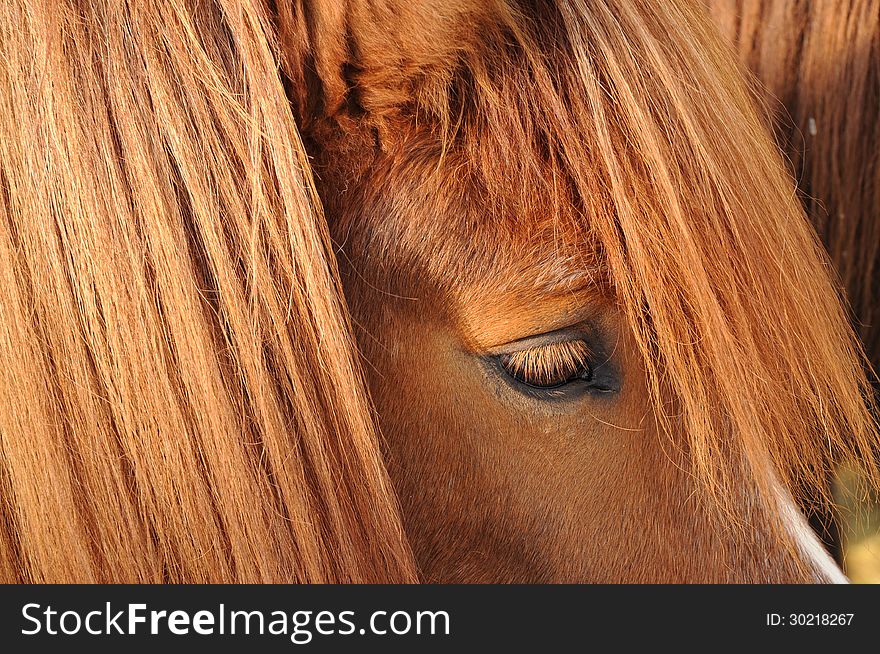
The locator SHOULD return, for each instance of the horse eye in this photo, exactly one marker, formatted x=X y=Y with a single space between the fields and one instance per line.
x=550 y=366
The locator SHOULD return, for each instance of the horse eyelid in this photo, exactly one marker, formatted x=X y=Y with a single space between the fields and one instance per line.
x=550 y=366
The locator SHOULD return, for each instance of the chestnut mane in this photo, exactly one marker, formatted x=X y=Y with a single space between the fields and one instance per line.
x=180 y=398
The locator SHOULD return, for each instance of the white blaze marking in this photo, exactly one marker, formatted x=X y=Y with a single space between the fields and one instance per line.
x=809 y=544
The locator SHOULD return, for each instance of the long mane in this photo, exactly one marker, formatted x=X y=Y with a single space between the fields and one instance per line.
x=179 y=400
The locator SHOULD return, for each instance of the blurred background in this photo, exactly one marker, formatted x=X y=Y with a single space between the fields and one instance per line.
x=859 y=522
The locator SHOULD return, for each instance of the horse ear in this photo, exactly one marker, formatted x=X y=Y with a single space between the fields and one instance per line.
x=314 y=53
x=350 y=59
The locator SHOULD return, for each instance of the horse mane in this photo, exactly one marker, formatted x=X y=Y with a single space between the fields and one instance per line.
x=180 y=398
x=818 y=64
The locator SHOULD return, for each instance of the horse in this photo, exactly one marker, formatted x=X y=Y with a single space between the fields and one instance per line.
x=458 y=291
x=816 y=66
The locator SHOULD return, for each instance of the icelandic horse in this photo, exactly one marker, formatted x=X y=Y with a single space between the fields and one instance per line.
x=384 y=291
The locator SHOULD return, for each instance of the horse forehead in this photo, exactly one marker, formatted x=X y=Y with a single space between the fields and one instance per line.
x=508 y=254
x=433 y=217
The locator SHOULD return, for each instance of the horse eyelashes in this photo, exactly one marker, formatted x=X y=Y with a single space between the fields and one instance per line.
x=550 y=366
